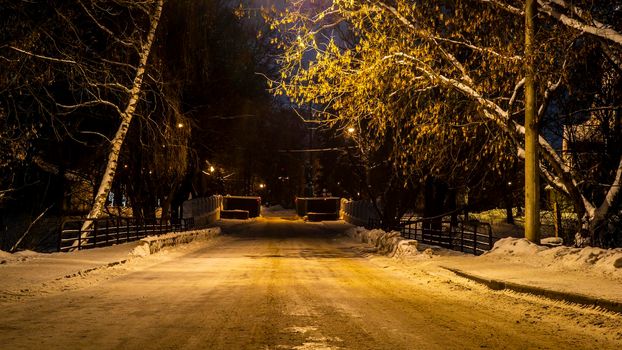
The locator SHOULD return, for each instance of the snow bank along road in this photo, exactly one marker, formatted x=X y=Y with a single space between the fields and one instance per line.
x=279 y=284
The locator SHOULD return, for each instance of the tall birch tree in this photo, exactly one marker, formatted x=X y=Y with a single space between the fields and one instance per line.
x=71 y=69
x=134 y=94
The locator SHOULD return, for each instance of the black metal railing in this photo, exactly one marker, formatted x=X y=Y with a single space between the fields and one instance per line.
x=115 y=230
x=472 y=237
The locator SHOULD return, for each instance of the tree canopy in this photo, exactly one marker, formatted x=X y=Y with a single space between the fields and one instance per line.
x=443 y=82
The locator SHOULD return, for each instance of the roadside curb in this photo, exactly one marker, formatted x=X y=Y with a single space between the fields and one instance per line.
x=152 y=245
x=576 y=298
x=84 y=272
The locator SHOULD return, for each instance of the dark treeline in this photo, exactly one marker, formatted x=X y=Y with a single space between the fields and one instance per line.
x=203 y=124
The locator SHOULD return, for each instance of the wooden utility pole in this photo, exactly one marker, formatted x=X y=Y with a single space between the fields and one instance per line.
x=532 y=179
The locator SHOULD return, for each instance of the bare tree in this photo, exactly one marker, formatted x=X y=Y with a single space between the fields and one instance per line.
x=80 y=65
x=126 y=118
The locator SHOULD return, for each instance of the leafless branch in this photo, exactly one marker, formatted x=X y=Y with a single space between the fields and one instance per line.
x=53 y=59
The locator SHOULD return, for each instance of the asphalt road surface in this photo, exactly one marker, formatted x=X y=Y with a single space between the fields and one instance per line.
x=284 y=284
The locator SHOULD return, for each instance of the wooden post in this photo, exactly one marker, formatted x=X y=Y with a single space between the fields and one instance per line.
x=532 y=179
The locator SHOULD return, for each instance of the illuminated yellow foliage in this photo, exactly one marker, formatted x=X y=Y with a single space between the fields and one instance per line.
x=379 y=66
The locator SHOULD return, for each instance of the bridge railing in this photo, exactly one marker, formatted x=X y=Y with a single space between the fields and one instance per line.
x=204 y=210
x=115 y=230
x=472 y=236
x=359 y=213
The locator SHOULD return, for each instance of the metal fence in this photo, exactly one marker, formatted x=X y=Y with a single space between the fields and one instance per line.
x=115 y=230
x=472 y=237
x=358 y=212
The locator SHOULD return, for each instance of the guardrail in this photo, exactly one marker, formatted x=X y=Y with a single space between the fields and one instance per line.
x=204 y=210
x=115 y=230
x=359 y=213
x=472 y=237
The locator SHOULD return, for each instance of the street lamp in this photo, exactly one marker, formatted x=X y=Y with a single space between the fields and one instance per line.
x=351 y=130
x=180 y=125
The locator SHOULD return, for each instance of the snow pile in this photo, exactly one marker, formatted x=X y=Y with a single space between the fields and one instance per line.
x=606 y=260
x=27 y=253
x=277 y=211
x=589 y=259
x=153 y=244
x=6 y=257
x=141 y=251
x=405 y=248
x=515 y=247
x=552 y=241
x=389 y=243
x=277 y=207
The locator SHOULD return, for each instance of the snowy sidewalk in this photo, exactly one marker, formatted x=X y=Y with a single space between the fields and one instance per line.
x=589 y=276
x=30 y=273
x=572 y=286
x=579 y=274
x=24 y=270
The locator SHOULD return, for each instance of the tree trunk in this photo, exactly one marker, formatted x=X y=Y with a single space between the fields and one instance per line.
x=126 y=118
x=509 y=204
x=558 y=218
x=509 y=217
x=532 y=180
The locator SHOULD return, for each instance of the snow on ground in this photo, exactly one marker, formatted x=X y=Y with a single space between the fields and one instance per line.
x=31 y=273
x=393 y=245
x=283 y=284
x=277 y=211
x=590 y=260
x=6 y=257
x=589 y=271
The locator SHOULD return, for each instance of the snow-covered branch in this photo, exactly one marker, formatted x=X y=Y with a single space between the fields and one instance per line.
x=490 y=51
x=90 y=104
x=612 y=193
x=598 y=29
x=517 y=88
x=104 y=28
x=43 y=57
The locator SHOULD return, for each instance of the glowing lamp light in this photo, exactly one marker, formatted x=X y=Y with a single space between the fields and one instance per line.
x=180 y=125
x=351 y=130
x=262 y=186
x=211 y=169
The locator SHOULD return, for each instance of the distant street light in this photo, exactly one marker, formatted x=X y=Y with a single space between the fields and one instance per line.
x=211 y=169
x=262 y=185
x=351 y=130
x=180 y=125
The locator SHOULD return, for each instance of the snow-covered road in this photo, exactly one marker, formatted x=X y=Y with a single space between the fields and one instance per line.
x=283 y=284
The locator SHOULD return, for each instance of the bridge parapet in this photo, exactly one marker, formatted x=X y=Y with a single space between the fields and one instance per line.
x=358 y=213
x=204 y=210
